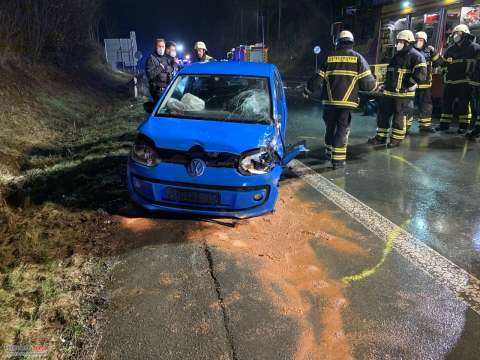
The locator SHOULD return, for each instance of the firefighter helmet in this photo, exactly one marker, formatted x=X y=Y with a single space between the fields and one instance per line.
x=345 y=36
x=200 y=45
x=421 y=35
x=406 y=35
x=461 y=28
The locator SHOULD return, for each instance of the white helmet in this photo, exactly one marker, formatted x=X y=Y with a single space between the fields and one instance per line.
x=421 y=35
x=406 y=35
x=346 y=36
x=200 y=45
x=461 y=28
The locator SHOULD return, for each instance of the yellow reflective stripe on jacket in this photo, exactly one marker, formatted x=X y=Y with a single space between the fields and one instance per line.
x=364 y=74
x=423 y=64
x=399 y=94
x=342 y=59
x=401 y=75
x=350 y=89
x=436 y=57
x=341 y=72
x=425 y=86
x=340 y=150
x=321 y=73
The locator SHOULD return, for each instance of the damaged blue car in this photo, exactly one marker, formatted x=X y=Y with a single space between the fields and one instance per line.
x=214 y=144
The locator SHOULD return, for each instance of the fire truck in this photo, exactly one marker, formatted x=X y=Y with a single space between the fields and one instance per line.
x=249 y=53
x=436 y=18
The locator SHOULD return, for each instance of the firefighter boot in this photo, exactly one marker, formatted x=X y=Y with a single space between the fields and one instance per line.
x=377 y=141
x=474 y=134
x=338 y=164
x=427 y=130
x=443 y=126
x=394 y=143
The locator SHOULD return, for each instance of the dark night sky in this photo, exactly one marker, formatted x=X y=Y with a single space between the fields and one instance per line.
x=182 y=21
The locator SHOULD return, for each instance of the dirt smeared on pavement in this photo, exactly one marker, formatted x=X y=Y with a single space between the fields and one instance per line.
x=280 y=248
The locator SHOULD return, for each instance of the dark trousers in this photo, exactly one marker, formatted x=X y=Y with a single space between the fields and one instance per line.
x=156 y=93
x=393 y=112
x=475 y=106
x=424 y=107
x=337 y=122
x=456 y=100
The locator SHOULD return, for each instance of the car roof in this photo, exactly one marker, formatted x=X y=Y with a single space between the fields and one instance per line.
x=230 y=68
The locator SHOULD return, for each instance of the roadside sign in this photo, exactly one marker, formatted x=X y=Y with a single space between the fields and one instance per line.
x=316 y=50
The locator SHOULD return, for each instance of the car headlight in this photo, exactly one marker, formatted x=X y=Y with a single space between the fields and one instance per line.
x=257 y=162
x=145 y=154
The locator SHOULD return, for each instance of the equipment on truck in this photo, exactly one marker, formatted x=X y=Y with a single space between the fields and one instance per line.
x=250 y=53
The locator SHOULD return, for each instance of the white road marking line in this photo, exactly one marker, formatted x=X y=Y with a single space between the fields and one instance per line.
x=463 y=284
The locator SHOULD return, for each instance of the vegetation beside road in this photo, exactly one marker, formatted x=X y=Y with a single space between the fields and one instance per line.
x=63 y=148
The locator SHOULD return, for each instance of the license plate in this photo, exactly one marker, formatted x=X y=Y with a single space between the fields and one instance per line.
x=192 y=196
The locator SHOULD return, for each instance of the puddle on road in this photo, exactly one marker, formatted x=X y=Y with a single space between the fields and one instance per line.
x=283 y=248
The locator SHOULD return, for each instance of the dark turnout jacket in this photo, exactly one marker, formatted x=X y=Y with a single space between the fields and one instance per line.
x=459 y=63
x=159 y=70
x=433 y=60
x=406 y=69
x=342 y=74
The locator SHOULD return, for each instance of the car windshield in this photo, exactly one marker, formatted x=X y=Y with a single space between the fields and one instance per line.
x=218 y=97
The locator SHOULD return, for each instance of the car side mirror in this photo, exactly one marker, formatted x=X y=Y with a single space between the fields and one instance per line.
x=149 y=107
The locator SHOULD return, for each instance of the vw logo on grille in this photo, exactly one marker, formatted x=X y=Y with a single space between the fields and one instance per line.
x=196 y=167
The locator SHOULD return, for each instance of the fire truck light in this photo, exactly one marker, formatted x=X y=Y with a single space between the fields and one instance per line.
x=180 y=47
x=406 y=4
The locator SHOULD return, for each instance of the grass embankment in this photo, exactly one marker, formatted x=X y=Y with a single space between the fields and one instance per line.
x=64 y=140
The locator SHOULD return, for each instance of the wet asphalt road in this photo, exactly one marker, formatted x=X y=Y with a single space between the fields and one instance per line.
x=310 y=281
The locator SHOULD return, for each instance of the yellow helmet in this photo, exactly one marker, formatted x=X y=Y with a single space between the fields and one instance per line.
x=461 y=28
x=406 y=35
x=200 y=45
x=421 y=35
x=345 y=35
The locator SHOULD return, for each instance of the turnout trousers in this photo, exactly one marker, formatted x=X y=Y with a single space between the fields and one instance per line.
x=456 y=101
x=424 y=107
x=393 y=113
x=337 y=121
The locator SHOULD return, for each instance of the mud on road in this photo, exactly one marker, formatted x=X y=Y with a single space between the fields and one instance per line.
x=277 y=298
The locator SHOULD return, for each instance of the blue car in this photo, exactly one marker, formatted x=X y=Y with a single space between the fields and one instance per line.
x=214 y=144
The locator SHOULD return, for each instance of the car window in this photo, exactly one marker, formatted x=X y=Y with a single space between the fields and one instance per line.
x=218 y=97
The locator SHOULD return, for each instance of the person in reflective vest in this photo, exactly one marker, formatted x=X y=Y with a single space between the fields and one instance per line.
x=458 y=65
x=405 y=72
x=423 y=95
x=340 y=77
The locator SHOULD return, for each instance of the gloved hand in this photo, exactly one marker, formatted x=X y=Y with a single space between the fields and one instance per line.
x=413 y=88
x=305 y=94
x=431 y=48
x=379 y=88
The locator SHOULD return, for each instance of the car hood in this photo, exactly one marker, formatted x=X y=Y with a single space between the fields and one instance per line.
x=212 y=136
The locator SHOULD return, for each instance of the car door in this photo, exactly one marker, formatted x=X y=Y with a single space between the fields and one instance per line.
x=290 y=152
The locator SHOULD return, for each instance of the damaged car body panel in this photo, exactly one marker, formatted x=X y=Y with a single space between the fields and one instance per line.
x=214 y=143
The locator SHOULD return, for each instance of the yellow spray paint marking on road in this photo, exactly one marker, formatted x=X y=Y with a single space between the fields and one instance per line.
x=405 y=161
x=386 y=251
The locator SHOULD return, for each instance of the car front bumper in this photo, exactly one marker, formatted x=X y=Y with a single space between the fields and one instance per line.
x=239 y=196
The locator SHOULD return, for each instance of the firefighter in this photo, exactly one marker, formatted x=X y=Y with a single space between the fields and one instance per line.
x=475 y=133
x=342 y=74
x=423 y=95
x=158 y=69
x=405 y=71
x=458 y=65
x=201 y=52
